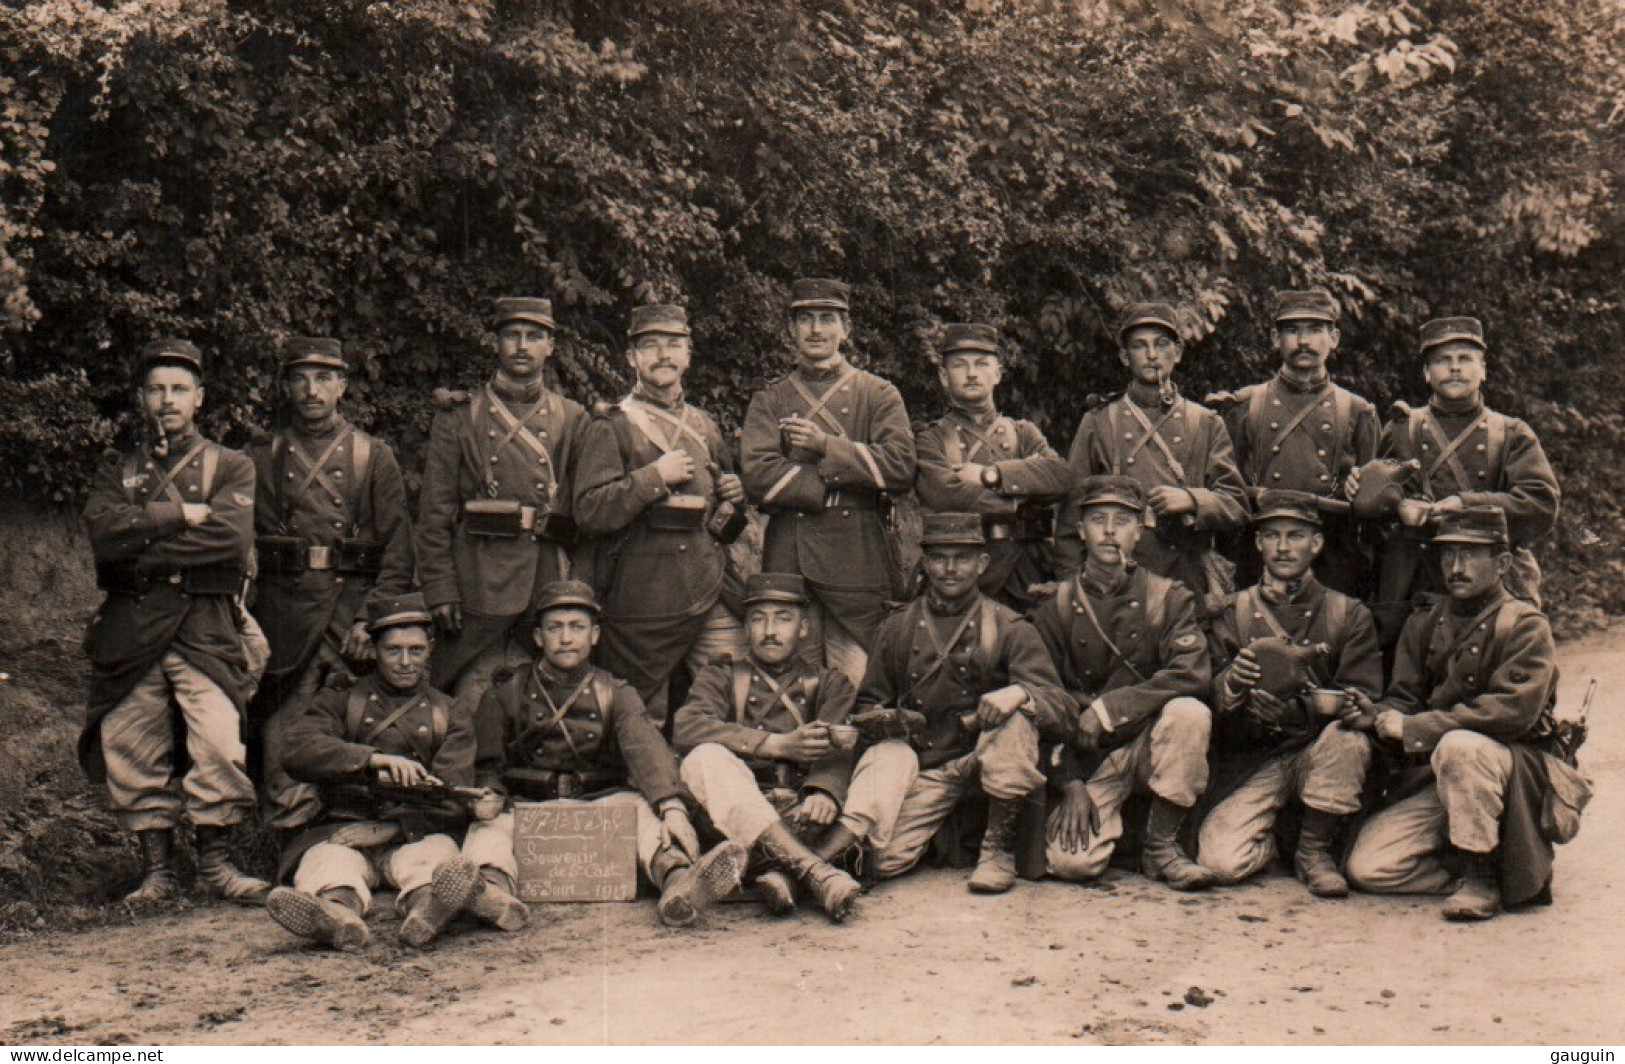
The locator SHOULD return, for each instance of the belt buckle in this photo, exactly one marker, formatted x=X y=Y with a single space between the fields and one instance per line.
x=321 y=558
x=527 y=518
x=175 y=578
x=999 y=531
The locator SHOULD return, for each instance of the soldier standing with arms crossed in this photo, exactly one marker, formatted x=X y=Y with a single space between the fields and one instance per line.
x=171 y=524
x=977 y=460
x=651 y=485
x=494 y=519
x=823 y=449
x=332 y=534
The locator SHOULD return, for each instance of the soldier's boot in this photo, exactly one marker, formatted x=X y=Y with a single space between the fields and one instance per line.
x=777 y=891
x=837 y=845
x=332 y=917
x=834 y=890
x=687 y=890
x=1314 y=863
x=996 y=863
x=159 y=883
x=1478 y=897
x=1162 y=858
x=429 y=909
x=495 y=903
x=217 y=870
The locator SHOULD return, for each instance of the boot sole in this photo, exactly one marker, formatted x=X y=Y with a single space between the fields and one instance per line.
x=717 y=875
x=452 y=888
x=310 y=917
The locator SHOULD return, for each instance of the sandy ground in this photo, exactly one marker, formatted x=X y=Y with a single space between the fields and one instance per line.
x=1124 y=962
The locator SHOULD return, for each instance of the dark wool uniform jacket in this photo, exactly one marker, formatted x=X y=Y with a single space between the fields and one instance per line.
x=710 y=716
x=1318 y=454
x=496 y=577
x=1169 y=659
x=840 y=547
x=323 y=750
x=1354 y=664
x=1029 y=471
x=297 y=609
x=618 y=739
x=903 y=673
x=1458 y=672
x=132 y=526
x=1451 y=672
x=1110 y=439
x=645 y=573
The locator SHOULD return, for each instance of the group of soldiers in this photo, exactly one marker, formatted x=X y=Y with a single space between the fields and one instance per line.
x=1071 y=662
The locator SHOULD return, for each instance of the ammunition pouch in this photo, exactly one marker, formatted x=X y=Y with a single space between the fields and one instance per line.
x=119 y=579
x=545 y=784
x=679 y=513
x=282 y=555
x=498 y=518
x=880 y=723
x=213 y=580
x=362 y=556
x=1032 y=522
x=559 y=529
x=727 y=524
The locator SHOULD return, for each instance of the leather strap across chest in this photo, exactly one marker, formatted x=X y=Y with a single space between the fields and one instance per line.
x=559 y=712
x=1264 y=457
x=315 y=469
x=643 y=416
x=166 y=484
x=517 y=429
x=1153 y=435
x=782 y=694
x=954 y=443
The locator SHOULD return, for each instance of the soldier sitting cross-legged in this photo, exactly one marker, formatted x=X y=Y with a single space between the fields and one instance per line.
x=382 y=755
x=770 y=755
x=561 y=728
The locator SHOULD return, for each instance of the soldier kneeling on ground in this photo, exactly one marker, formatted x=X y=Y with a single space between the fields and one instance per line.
x=771 y=757
x=564 y=729
x=393 y=759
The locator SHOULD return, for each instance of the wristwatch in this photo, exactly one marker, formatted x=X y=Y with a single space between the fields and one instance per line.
x=991 y=478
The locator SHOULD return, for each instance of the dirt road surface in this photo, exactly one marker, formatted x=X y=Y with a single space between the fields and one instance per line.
x=1125 y=962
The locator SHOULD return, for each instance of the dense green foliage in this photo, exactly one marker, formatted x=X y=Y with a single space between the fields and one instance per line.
x=242 y=172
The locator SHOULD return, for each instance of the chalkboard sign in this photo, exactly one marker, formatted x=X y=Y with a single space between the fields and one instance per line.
x=576 y=851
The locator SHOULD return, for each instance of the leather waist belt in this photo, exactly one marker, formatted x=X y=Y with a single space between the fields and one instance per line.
x=128 y=580
x=291 y=555
x=680 y=513
x=545 y=784
x=510 y=519
x=843 y=499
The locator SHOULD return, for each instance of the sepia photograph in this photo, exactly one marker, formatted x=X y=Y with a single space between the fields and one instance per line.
x=795 y=523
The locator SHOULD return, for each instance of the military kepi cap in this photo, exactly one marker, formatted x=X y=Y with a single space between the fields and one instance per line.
x=658 y=318
x=775 y=587
x=973 y=338
x=567 y=595
x=1280 y=504
x=313 y=351
x=171 y=351
x=1137 y=314
x=820 y=293
x=1107 y=490
x=1445 y=330
x=1486 y=525
x=952 y=530
x=401 y=611
x=1316 y=304
x=523 y=308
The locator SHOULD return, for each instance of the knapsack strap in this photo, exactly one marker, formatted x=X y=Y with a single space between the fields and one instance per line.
x=515 y=429
x=1153 y=436
x=643 y=415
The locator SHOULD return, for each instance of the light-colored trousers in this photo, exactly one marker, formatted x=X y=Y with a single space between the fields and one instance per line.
x=728 y=790
x=489 y=843
x=1169 y=759
x=406 y=867
x=1005 y=759
x=1398 y=850
x=139 y=747
x=1238 y=836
